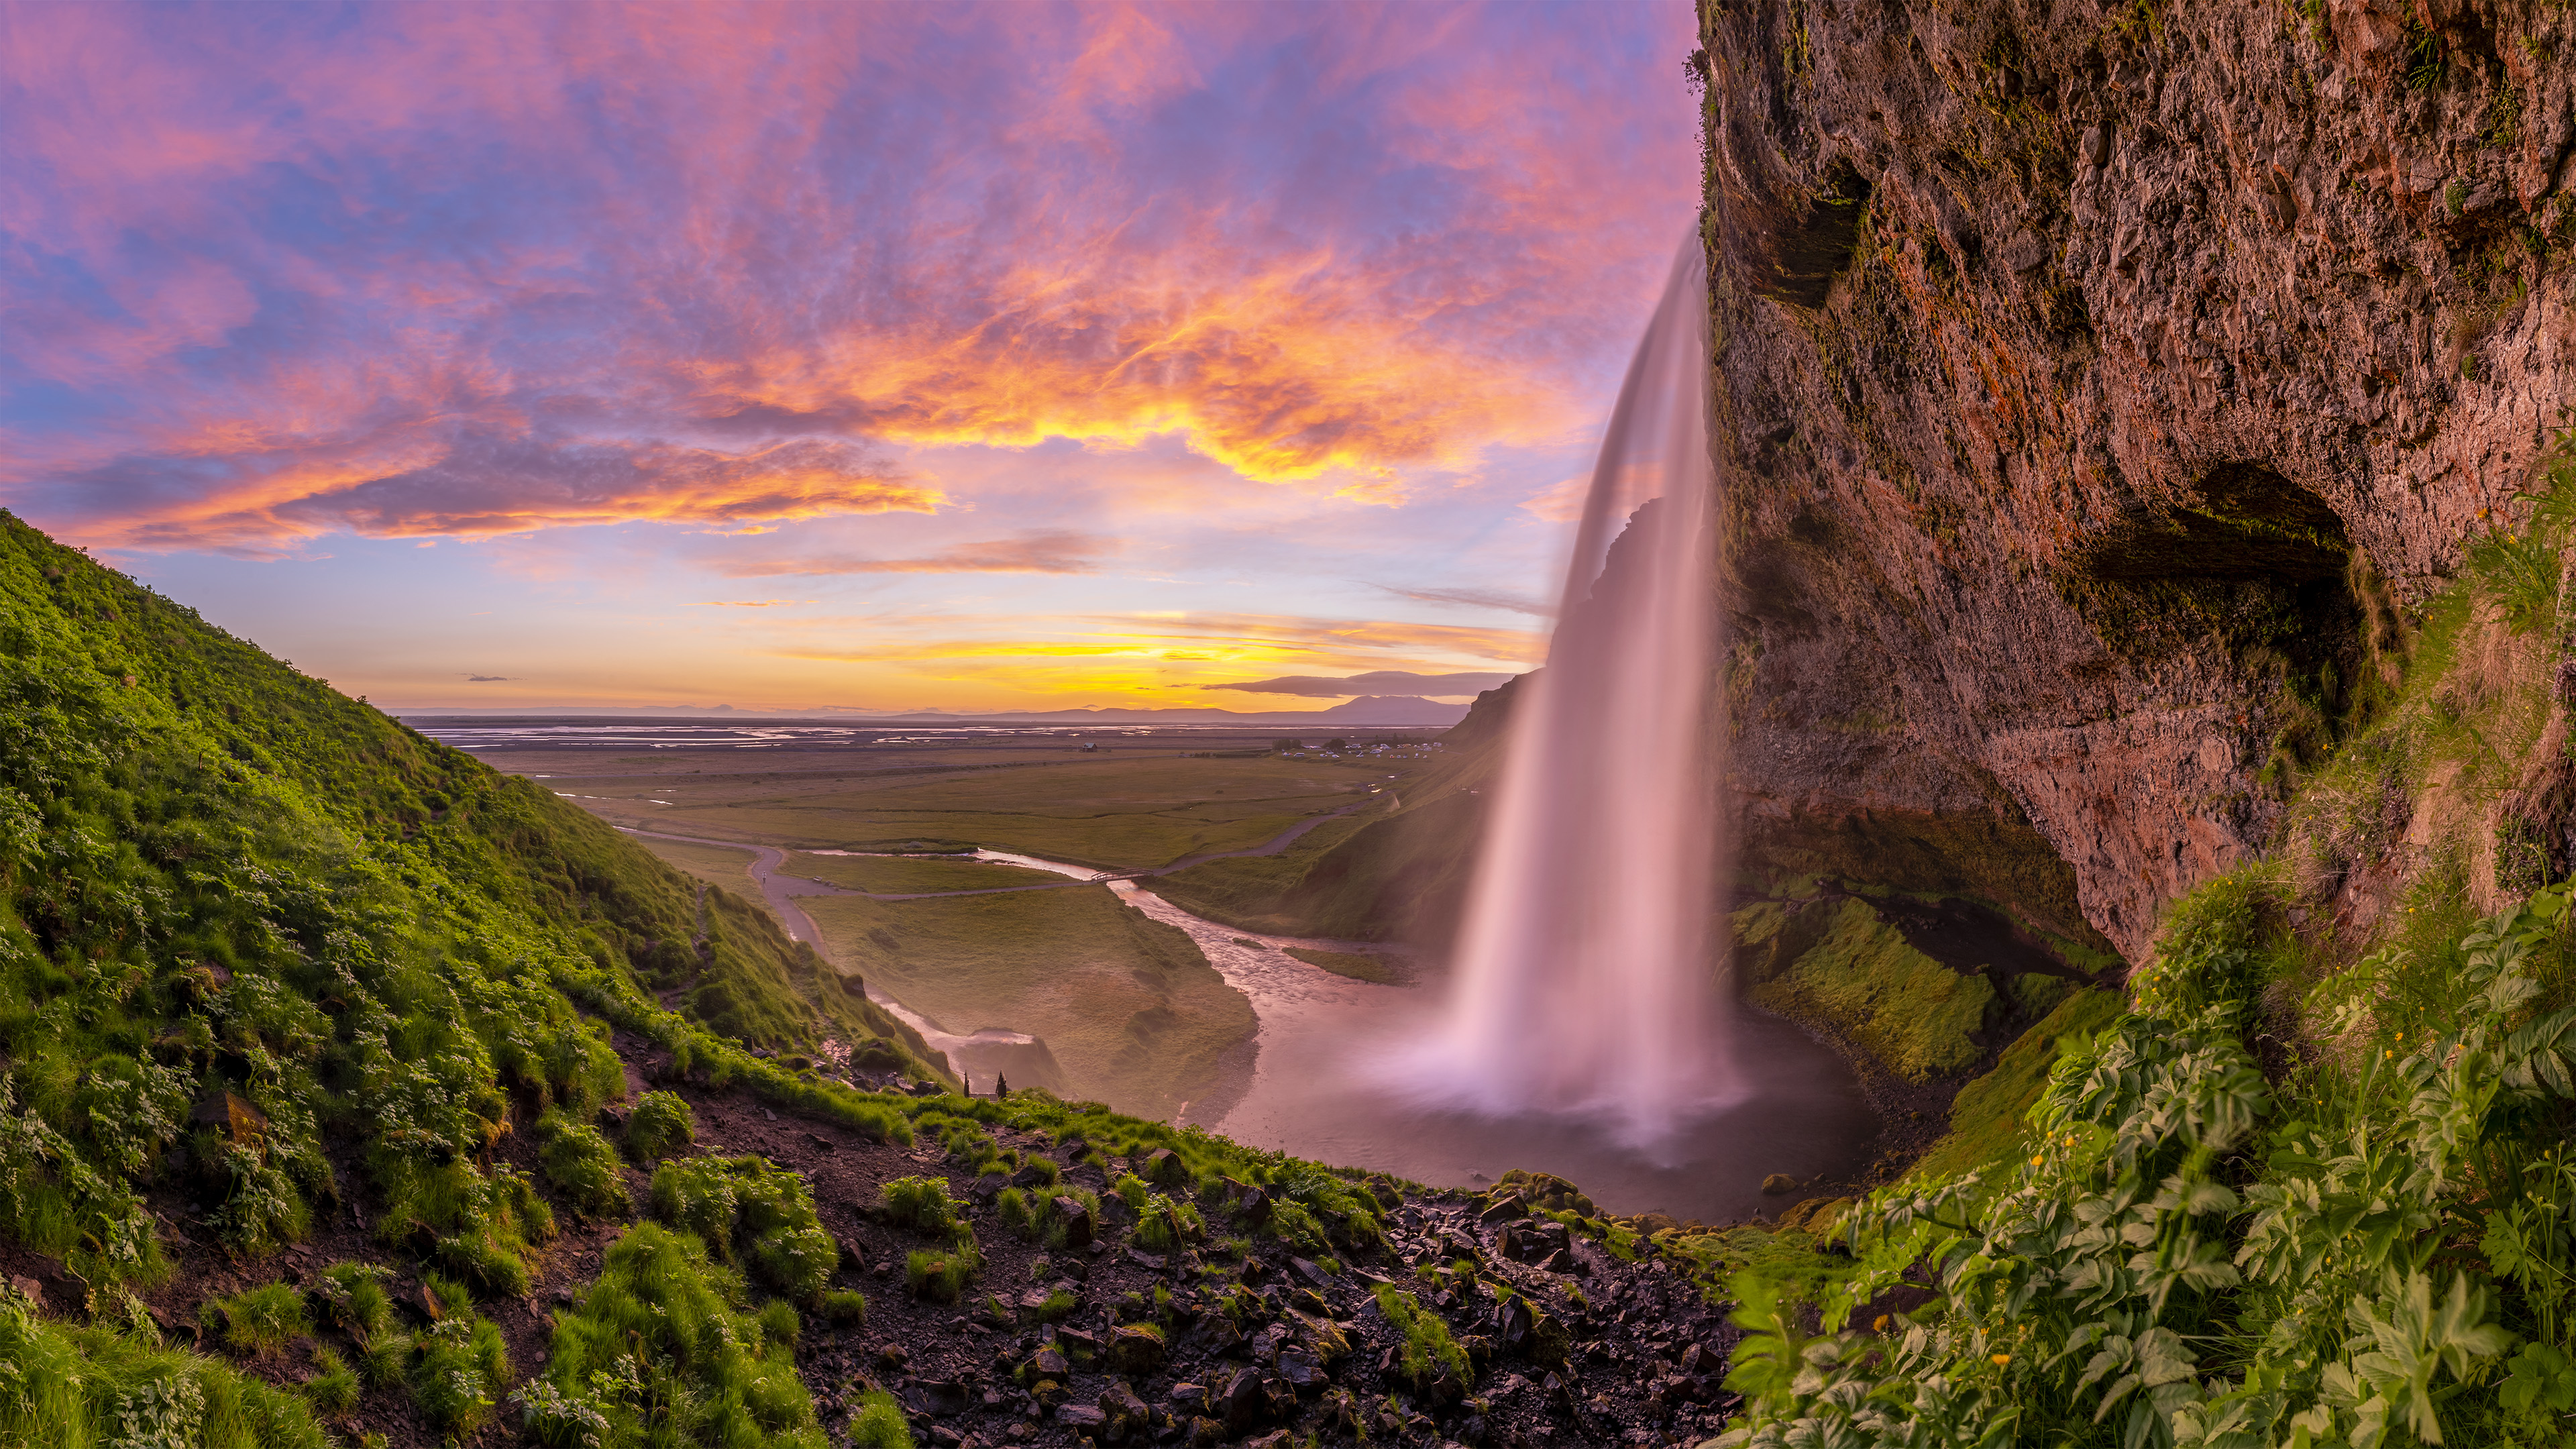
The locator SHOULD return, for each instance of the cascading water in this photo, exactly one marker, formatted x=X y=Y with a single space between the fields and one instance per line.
x=1583 y=982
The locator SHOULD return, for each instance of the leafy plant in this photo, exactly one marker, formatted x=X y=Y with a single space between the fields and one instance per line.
x=660 y=1126
x=578 y=1162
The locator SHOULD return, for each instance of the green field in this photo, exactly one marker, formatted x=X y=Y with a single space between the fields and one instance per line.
x=898 y=875
x=1114 y=811
x=1131 y=1010
x=1355 y=965
x=713 y=864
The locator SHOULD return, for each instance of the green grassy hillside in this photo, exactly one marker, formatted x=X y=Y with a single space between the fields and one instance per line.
x=264 y=951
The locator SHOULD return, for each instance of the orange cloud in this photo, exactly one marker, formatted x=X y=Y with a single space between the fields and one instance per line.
x=440 y=271
x=1036 y=553
x=479 y=486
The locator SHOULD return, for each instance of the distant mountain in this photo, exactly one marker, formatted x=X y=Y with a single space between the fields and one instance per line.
x=1367 y=710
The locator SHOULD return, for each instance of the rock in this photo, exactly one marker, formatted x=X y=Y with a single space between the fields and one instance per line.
x=1778 y=1183
x=1242 y=1402
x=1506 y=1208
x=1136 y=1350
x=1206 y=1433
x=1079 y=1417
x=1033 y=1175
x=1077 y=1221
x=1249 y=1203
x=938 y=1397
x=1082 y=1344
x=1187 y=1399
x=1301 y=1373
x=1129 y=1417
x=1164 y=1167
x=1311 y=1272
x=1050 y=1364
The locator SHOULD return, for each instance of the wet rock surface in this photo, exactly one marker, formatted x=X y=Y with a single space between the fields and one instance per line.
x=2095 y=380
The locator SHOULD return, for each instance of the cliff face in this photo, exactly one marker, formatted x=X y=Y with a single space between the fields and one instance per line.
x=2101 y=387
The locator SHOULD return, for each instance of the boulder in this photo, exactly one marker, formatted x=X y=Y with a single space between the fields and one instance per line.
x=1163 y=1166
x=1242 y=1402
x=1779 y=1183
x=1077 y=1221
x=939 y=1398
x=1136 y=1350
x=1079 y=1417
x=1130 y=1419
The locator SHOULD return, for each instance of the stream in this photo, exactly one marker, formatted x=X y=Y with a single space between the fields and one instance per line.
x=1309 y=1086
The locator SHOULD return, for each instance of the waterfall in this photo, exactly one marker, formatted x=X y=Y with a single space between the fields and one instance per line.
x=1583 y=981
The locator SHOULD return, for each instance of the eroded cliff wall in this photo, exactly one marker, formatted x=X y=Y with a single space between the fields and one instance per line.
x=2101 y=386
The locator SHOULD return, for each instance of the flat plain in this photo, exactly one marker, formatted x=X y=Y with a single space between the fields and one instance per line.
x=1129 y=1008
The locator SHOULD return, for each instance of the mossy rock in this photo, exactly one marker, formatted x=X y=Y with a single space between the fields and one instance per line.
x=1915 y=1016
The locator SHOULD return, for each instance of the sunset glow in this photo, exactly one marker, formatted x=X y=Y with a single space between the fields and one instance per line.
x=977 y=356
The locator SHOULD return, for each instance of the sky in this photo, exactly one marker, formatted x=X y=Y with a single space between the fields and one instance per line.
x=967 y=356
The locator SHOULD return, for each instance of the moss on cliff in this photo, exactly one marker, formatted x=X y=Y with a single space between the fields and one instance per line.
x=1912 y=1014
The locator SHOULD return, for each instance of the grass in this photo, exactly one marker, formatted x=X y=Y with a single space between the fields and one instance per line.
x=1129 y=1008
x=1120 y=812
x=660 y=1126
x=333 y=1389
x=1354 y=965
x=898 y=875
x=663 y=1349
x=578 y=1162
x=1988 y=1123
x=1909 y=1011
x=222 y=880
x=71 y=1386
x=879 y=1423
x=716 y=865
x=750 y=1210
x=941 y=1275
x=1428 y=1349
x=257 y=1321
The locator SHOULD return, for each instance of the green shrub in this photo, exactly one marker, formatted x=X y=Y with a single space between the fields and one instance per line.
x=1164 y=1226
x=579 y=1163
x=257 y=1321
x=940 y=1276
x=1012 y=1209
x=1427 y=1347
x=2194 y=1254
x=919 y=1203
x=844 y=1306
x=1058 y=1306
x=333 y=1389
x=660 y=1125
x=661 y=1350
x=92 y=1385
x=697 y=1194
x=353 y=1300
x=879 y=1424
x=795 y=1261
x=459 y=1366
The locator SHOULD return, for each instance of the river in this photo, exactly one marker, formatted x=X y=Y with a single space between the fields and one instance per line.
x=1309 y=1086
